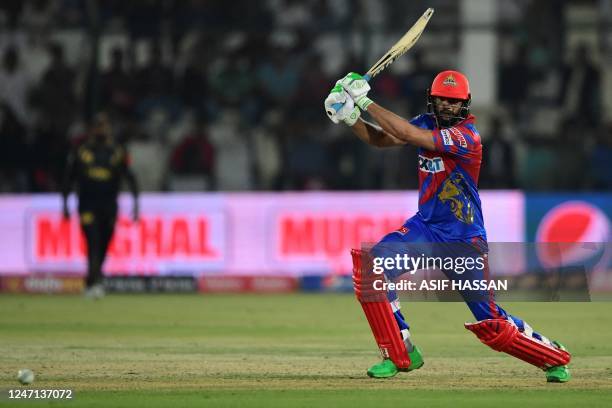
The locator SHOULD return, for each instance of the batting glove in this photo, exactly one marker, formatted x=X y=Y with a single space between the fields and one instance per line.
x=358 y=88
x=348 y=114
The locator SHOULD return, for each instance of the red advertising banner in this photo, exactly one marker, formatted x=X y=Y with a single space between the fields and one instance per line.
x=231 y=234
x=181 y=239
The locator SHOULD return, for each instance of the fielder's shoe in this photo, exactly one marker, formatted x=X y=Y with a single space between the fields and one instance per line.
x=558 y=374
x=95 y=292
x=387 y=368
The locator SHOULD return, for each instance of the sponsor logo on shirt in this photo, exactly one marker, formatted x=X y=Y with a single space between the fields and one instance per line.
x=433 y=165
x=446 y=137
x=459 y=136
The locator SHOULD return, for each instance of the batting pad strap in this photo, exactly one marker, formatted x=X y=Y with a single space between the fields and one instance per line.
x=378 y=312
x=501 y=335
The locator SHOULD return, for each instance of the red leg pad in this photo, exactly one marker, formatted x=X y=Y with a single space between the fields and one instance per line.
x=378 y=311
x=501 y=335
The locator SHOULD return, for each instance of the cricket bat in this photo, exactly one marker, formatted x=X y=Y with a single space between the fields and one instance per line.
x=398 y=49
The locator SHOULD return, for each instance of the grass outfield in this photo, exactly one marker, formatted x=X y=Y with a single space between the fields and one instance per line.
x=284 y=351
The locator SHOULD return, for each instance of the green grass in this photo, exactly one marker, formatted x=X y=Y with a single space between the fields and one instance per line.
x=285 y=350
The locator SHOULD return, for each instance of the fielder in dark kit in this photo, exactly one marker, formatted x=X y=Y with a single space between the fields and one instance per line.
x=97 y=167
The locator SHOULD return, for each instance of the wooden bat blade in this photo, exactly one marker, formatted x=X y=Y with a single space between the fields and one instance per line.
x=403 y=45
x=398 y=49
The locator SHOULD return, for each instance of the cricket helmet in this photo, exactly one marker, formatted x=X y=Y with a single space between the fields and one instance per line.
x=453 y=85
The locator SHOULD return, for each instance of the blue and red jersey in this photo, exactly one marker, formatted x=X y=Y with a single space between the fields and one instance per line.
x=448 y=179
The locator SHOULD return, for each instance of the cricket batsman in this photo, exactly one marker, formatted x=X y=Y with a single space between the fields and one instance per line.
x=450 y=155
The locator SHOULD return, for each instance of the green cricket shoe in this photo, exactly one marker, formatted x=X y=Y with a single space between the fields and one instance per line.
x=387 y=368
x=558 y=374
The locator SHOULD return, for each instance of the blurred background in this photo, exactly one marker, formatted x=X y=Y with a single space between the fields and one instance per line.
x=209 y=97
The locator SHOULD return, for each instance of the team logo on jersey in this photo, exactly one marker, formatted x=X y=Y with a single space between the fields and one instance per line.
x=446 y=137
x=459 y=136
x=450 y=81
x=99 y=173
x=433 y=165
x=86 y=155
x=453 y=193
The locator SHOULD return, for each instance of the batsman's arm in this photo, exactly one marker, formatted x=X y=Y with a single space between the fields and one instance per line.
x=400 y=129
x=374 y=135
x=357 y=87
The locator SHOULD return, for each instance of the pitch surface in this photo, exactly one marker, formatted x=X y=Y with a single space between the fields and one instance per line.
x=284 y=350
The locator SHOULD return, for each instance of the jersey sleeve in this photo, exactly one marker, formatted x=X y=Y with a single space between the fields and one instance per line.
x=121 y=158
x=462 y=141
x=421 y=121
x=70 y=172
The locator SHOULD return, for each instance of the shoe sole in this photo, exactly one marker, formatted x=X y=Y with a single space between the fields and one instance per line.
x=383 y=376
x=405 y=370
x=557 y=380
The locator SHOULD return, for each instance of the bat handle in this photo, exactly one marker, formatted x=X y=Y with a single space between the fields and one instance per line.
x=338 y=106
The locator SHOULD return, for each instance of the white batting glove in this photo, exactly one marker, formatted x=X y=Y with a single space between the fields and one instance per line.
x=358 y=88
x=348 y=113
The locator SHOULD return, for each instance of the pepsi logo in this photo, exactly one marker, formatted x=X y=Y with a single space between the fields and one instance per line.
x=572 y=232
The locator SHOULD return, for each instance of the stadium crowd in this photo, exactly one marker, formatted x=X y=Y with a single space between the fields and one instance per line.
x=211 y=97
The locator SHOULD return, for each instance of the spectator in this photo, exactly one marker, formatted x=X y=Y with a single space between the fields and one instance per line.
x=279 y=77
x=308 y=164
x=38 y=16
x=144 y=18
x=232 y=81
x=581 y=89
x=12 y=11
x=514 y=81
x=117 y=91
x=195 y=155
x=599 y=160
x=498 y=160
x=267 y=150
x=232 y=147
x=14 y=85
x=55 y=98
x=193 y=86
x=412 y=84
x=267 y=64
x=313 y=84
x=13 y=155
x=195 y=14
x=148 y=154
x=155 y=88
x=155 y=79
